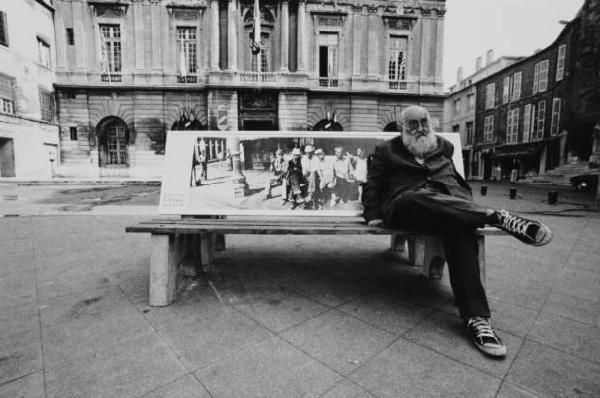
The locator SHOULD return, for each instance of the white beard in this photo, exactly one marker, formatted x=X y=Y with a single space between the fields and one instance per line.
x=420 y=146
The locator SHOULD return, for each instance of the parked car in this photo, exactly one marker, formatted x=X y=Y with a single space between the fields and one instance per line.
x=585 y=182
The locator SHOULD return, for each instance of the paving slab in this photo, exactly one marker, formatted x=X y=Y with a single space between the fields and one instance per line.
x=553 y=373
x=408 y=369
x=20 y=355
x=347 y=389
x=129 y=368
x=186 y=387
x=508 y=390
x=338 y=340
x=272 y=368
x=19 y=319
x=30 y=386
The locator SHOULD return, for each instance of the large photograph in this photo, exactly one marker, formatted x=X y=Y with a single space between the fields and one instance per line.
x=268 y=173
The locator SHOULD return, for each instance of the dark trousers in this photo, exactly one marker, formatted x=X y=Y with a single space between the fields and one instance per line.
x=431 y=209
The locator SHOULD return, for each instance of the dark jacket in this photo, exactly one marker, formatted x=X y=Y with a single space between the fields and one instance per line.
x=393 y=170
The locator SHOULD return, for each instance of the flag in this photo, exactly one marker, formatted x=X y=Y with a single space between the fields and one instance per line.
x=104 y=60
x=182 y=64
x=256 y=32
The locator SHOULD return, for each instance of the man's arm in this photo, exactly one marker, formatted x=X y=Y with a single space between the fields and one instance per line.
x=373 y=188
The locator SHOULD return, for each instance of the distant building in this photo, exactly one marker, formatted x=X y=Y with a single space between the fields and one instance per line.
x=128 y=71
x=28 y=124
x=537 y=115
x=459 y=107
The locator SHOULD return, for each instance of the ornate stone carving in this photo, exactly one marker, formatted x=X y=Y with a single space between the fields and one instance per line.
x=107 y=10
x=410 y=10
x=440 y=12
x=186 y=15
x=372 y=9
x=426 y=12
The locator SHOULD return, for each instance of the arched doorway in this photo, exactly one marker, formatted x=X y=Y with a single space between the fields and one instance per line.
x=390 y=127
x=113 y=142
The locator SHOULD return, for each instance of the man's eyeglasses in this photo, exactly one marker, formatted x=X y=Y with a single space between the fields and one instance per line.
x=414 y=124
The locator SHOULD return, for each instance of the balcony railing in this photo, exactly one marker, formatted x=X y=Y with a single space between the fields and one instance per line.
x=258 y=77
x=111 y=77
x=328 y=82
x=187 y=79
x=397 y=85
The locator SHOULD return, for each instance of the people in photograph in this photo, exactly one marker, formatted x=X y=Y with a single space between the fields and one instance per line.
x=308 y=170
x=295 y=177
x=345 y=185
x=199 y=160
x=278 y=168
x=359 y=162
x=412 y=183
x=324 y=179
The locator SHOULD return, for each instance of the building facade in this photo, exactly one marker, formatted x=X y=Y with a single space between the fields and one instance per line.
x=129 y=71
x=28 y=123
x=459 y=106
x=537 y=115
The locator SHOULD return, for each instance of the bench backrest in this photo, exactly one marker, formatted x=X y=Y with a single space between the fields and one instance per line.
x=224 y=194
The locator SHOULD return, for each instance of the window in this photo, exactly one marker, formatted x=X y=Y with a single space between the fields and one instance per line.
x=263 y=58
x=7 y=94
x=116 y=142
x=536 y=77
x=328 y=53
x=506 y=90
x=488 y=128
x=470 y=102
x=512 y=126
x=555 y=126
x=490 y=93
x=456 y=108
x=456 y=128
x=186 y=52
x=70 y=37
x=397 y=61
x=543 y=76
x=47 y=105
x=43 y=52
x=111 y=53
x=560 y=62
x=526 y=122
x=539 y=121
x=516 y=86
x=3 y=29
x=469 y=128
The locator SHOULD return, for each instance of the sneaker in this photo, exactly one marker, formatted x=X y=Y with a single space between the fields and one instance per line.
x=527 y=231
x=485 y=338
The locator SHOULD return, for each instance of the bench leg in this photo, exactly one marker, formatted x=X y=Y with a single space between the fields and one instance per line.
x=481 y=254
x=427 y=252
x=207 y=250
x=167 y=252
x=397 y=243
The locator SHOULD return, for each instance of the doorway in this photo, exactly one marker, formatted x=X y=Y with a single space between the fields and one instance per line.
x=7 y=158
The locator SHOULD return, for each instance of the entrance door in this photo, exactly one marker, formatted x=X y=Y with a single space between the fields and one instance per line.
x=7 y=158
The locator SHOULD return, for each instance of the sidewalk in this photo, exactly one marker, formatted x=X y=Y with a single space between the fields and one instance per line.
x=333 y=317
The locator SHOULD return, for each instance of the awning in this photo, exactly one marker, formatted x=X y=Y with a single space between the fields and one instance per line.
x=519 y=150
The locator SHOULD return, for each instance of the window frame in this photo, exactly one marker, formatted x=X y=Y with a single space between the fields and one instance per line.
x=4 y=39
x=73 y=133
x=490 y=96
x=543 y=79
x=516 y=94
x=512 y=126
x=398 y=72
x=8 y=94
x=555 y=119
x=42 y=45
x=506 y=90
x=70 y=36
x=469 y=130
x=539 y=121
x=488 y=128
x=527 y=122
x=47 y=105
x=111 y=62
x=560 y=62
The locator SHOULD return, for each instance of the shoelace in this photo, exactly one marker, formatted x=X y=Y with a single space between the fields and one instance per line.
x=514 y=224
x=482 y=328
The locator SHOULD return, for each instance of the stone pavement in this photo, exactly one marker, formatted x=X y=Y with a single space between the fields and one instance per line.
x=290 y=316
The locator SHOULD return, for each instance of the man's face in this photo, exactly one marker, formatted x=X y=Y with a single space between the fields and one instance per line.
x=359 y=152
x=321 y=155
x=309 y=155
x=418 y=126
x=338 y=153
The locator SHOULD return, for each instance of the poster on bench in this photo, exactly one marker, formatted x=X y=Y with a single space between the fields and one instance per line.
x=271 y=173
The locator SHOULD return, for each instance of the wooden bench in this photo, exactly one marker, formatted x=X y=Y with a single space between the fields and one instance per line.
x=174 y=239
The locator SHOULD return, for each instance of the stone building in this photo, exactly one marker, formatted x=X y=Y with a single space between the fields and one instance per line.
x=128 y=71
x=537 y=115
x=459 y=106
x=28 y=125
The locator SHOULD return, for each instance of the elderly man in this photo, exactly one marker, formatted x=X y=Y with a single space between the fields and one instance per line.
x=412 y=183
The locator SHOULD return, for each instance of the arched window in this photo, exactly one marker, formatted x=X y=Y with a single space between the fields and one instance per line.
x=392 y=126
x=327 y=125
x=113 y=140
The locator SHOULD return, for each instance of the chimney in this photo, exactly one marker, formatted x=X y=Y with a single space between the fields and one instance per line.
x=459 y=74
x=478 y=64
x=489 y=58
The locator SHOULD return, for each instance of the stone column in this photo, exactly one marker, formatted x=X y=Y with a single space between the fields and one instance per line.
x=301 y=35
x=238 y=180
x=374 y=39
x=285 y=34
x=232 y=35
x=214 y=38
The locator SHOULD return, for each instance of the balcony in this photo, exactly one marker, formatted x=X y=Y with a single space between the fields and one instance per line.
x=397 y=85
x=111 y=77
x=328 y=82
x=257 y=77
x=187 y=79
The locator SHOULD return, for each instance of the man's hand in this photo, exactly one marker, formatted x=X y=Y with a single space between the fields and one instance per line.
x=377 y=222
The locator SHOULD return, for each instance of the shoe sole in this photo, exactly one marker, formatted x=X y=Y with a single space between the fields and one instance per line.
x=548 y=235
x=499 y=352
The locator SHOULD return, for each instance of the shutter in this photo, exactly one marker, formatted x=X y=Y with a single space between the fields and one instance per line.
x=3 y=29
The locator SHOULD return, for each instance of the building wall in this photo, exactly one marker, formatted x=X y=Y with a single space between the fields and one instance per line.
x=33 y=140
x=151 y=92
